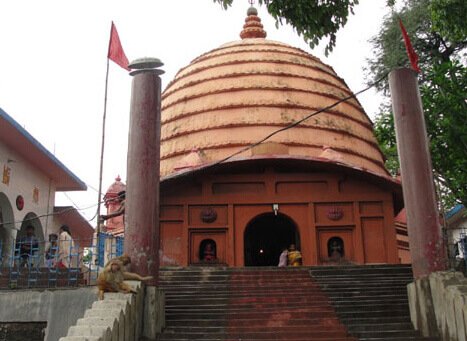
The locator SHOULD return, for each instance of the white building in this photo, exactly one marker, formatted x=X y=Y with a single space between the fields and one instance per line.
x=30 y=176
x=456 y=220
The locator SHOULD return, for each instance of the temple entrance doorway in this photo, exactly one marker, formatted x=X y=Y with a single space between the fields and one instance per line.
x=266 y=236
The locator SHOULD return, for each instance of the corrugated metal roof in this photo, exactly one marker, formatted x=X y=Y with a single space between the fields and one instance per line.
x=453 y=211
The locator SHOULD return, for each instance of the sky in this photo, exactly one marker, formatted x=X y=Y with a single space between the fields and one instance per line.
x=53 y=65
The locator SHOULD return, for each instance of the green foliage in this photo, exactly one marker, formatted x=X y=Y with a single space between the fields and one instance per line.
x=449 y=18
x=385 y=134
x=444 y=96
x=438 y=32
x=87 y=258
x=312 y=19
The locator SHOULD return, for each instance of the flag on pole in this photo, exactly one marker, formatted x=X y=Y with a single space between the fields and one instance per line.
x=116 y=53
x=413 y=57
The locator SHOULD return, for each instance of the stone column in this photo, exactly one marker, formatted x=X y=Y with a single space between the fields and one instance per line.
x=424 y=229
x=142 y=191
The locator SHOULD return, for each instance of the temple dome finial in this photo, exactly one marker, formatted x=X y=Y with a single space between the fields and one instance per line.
x=253 y=27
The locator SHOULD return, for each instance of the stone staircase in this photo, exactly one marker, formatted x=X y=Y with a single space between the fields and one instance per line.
x=116 y=318
x=370 y=300
x=247 y=304
x=334 y=303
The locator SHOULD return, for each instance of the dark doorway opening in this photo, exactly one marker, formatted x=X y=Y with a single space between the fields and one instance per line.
x=265 y=238
x=207 y=250
x=336 y=248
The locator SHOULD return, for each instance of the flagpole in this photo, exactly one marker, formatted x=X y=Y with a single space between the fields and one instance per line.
x=102 y=152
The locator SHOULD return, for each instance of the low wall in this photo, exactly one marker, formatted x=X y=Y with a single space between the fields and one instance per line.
x=59 y=308
x=438 y=305
x=20 y=331
x=122 y=317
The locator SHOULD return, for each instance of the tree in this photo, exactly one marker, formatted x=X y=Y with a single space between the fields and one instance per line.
x=439 y=35
x=312 y=19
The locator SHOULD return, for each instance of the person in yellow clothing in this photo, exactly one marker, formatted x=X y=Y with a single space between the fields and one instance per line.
x=294 y=256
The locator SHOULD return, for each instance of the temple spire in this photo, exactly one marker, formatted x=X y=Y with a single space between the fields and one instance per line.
x=253 y=27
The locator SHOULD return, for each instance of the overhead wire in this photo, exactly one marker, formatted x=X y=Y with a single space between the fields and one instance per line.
x=70 y=209
x=294 y=124
x=244 y=149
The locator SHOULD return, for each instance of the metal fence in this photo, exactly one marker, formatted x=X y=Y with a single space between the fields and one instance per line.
x=457 y=254
x=32 y=263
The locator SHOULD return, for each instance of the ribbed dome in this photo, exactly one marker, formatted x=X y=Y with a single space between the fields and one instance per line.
x=239 y=93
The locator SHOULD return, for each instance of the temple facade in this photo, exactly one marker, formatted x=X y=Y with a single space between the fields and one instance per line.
x=264 y=146
x=246 y=173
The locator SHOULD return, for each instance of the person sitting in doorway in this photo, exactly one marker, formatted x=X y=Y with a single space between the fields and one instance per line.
x=28 y=245
x=294 y=256
x=209 y=254
x=283 y=258
x=336 y=251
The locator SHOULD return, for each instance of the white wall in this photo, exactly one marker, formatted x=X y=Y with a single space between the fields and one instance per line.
x=24 y=177
x=455 y=230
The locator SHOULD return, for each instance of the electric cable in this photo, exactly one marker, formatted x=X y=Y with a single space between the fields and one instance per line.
x=244 y=149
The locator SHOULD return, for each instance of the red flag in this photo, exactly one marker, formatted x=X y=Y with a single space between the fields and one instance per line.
x=116 y=53
x=413 y=57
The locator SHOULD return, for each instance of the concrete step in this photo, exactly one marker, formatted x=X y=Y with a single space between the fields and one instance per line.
x=287 y=304
x=288 y=337
x=266 y=321
x=380 y=326
x=80 y=338
x=399 y=338
x=258 y=335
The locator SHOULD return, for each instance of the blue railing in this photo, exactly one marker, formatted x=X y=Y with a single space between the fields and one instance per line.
x=37 y=263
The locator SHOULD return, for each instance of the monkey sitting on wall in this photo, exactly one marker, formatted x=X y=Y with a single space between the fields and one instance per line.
x=112 y=277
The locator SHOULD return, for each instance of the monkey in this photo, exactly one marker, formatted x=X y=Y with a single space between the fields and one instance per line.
x=112 y=277
x=123 y=259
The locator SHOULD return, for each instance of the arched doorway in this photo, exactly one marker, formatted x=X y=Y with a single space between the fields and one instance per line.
x=266 y=236
x=336 y=249
x=31 y=219
x=7 y=228
x=207 y=250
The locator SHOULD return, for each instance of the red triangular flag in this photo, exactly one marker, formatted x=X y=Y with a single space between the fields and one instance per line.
x=413 y=57
x=116 y=53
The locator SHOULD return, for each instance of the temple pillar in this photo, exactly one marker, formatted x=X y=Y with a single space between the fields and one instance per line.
x=424 y=229
x=142 y=189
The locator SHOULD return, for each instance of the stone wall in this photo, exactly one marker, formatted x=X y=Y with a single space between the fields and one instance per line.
x=59 y=308
x=20 y=331
x=73 y=312
x=122 y=317
x=438 y=305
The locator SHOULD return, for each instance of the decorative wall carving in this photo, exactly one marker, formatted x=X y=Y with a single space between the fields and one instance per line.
x=335 y=213
x=19 y=202
x=208 y=215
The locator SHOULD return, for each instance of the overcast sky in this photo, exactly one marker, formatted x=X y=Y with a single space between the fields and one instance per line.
x=53 y=63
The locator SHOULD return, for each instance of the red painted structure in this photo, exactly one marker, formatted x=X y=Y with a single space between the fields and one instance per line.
x=320 y=185
x=424 y=228
x=308 y=194
x=142 y=190
x=114 y=225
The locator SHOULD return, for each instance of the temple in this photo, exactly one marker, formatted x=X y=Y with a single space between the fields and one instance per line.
x=264 y=146
x=245 y=172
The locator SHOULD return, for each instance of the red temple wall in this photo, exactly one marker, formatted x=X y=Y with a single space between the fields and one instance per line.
x=312 y=201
